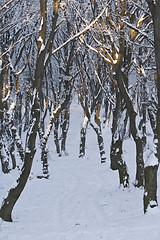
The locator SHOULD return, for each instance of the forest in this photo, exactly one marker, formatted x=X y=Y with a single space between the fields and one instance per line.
x=103 y=53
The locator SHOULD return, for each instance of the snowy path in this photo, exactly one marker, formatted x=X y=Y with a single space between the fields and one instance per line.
x=80 y=201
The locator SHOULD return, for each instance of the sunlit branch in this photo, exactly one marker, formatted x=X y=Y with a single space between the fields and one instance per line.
x=80 y=33
x=5 y=6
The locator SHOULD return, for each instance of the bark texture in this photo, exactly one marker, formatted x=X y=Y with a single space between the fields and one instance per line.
x=150 y=193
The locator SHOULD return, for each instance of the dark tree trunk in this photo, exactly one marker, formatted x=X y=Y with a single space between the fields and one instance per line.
x=4 y=163
x=150 y=193
x=151 y=172
x=118 y=132
x=116 y=148
x=117 y=162
x=133 y=128
x=11 y=147
x=18 y=143
x=15 y=192
x=56 y=138
x=106 y=107
x=1 y=105
x=44 y=160
x=139 y=182
x=26 y=113
x=4 y=151
x=18 y=112
x=155 y=11
x=115 y=153
x=123 y=174
x=44 y=152
x=3 y=158
x=65 y=116
x=12 y=150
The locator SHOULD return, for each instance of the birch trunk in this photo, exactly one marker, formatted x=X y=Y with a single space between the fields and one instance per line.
x=83 y=132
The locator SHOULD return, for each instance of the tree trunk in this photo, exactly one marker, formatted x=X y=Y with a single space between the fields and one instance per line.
x=44 y=160
x=150 y=193
x=44 y=152
x=133 y=128
x=139 y=182
x=56 y=138
x=65 y=115
x=4 y=149
x=155 y=11
x=3 y=158
x=98 y=131
x=15 y=192
x=115 y=153
x=118 y=132
x=83 y=137
x=18 y=142
x=117 y=162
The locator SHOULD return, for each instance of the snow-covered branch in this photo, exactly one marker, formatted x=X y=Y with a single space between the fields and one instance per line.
x=81 y=32
x=139 y=31
x=20 y=40
x=5 y=6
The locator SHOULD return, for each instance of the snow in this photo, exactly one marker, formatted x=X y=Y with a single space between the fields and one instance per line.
x=85 y=121
x=150 y=151
x=81 y=200
x=80 y=33
x=42 y=44
x=155 y=141
x=0 y=64
x=50 y=125
x=115 y=61
x=154 y=2
x=41 y=24
x=151 y=161
x=40 y=40
x=7 y=96
x=11 y=108
x=153 y=211
x=42 y=48
x=46 y=58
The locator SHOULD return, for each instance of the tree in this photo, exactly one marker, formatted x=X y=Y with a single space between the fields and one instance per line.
x=30 y=148
x=113 y=47
x=150 y=194
x=35 y=52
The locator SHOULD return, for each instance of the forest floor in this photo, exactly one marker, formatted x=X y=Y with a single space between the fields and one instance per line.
x=82 y=199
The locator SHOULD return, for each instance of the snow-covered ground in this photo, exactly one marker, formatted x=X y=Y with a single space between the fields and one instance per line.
x=81 y=200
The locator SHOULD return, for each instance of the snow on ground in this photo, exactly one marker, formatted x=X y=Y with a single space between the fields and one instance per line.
x=81 y=200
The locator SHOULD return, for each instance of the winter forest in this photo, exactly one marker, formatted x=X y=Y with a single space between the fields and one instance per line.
x=101 y=56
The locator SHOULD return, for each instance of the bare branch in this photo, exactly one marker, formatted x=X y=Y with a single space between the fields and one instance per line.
x=139 y=31
x=20 y=40
x=109 y=60
x=81 y=32
x=5 y=6
x=99 y=80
